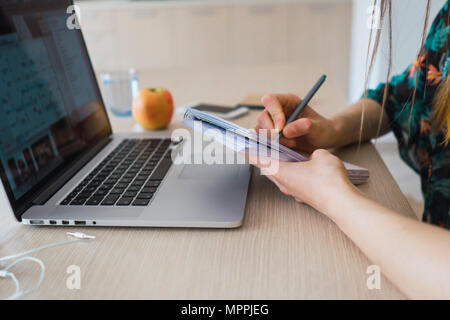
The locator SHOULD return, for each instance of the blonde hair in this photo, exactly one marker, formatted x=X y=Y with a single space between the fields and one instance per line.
x=441 y=108
x=441 y=101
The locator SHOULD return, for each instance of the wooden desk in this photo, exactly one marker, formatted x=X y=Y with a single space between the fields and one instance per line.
x=284 y=250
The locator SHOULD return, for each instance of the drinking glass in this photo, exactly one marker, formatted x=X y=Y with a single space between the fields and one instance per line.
x=119 y=90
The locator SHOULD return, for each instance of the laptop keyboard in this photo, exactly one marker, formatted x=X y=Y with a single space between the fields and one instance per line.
x=128 y=176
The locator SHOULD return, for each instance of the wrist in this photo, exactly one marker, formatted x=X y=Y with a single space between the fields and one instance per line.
x=335 y=132
x=340 y=204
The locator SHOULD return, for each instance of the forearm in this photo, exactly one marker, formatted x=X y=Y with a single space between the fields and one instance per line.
x=413 y=255
x=347 y=124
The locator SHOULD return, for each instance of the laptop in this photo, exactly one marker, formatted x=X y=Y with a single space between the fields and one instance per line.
x=60 y=162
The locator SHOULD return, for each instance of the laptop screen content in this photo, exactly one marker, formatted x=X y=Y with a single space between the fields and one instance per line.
x=51 y=110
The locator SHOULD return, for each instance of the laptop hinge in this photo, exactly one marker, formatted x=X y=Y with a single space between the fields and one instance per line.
x=50 y=189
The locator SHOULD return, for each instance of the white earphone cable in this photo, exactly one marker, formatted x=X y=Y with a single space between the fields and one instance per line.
x=4 y=273
x=57 y=244
x=19 y=293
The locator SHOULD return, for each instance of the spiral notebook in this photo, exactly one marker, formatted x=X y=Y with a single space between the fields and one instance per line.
x=240 y=139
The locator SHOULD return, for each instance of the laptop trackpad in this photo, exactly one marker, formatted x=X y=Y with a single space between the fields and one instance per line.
x=209 y=172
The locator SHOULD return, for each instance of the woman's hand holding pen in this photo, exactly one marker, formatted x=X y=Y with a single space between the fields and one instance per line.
x=319 y=182
x=309 y=132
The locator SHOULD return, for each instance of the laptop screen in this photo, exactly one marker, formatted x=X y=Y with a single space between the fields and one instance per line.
x=51 y=110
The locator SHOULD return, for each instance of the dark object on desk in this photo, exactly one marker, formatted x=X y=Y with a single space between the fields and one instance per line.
x=213 y=108
x=228 y=112
x=224 y=109
x=250 y=106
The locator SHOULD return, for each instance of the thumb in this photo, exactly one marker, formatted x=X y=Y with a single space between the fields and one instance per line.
x=297 y=128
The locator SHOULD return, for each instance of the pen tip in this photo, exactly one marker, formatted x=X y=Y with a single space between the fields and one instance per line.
x=324 y=76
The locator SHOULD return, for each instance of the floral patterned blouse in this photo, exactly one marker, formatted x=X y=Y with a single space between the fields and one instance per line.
x=421 y=147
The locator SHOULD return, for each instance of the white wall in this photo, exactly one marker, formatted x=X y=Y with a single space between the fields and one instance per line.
x=233 y=46
x=407 y=24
